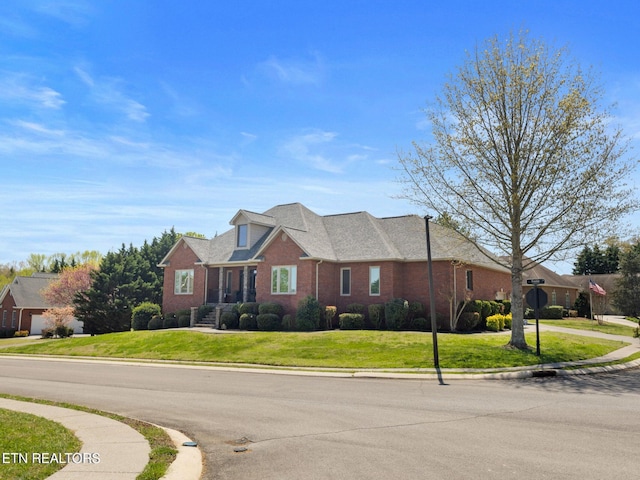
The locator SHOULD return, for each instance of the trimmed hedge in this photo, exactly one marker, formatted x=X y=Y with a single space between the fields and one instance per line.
x=142 y=315
x=155 y=323
x=268 y=322
x=288 y=323
x=248 y=307
x=355 y=308
x=329 y=315
x=395 y=313
x=270 y=307
x=308 y=314
x=468 y=321
x=248 y=322
x=184 y=320
x=7 y=332
x=351 y=321
x=376 y=315
x=230 y=319
x=170 y=322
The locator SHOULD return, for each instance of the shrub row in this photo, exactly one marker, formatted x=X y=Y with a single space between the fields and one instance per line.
x=498 y=322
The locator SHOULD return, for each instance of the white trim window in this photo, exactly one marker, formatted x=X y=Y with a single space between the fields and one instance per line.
x=284 y=280
x=242 y=239
x=345 y=282
x=374 y=281
x=184 y=282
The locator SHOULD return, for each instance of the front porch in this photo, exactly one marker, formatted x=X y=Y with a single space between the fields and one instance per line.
x=230 y=284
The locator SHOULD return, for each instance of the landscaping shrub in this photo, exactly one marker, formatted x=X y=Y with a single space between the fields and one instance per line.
x=230 y=320
x=351 y=321
x=21 y=333
x=170 y=322
x=271 y=307
x=496 y=307
x=184 y=320
x=507 y=321
x=468 y=321
x=376 y=315
x=155 y=323
x=248 y=307
x=247 y=322
x=62 y=331
x=355 y=308
x=420 y=324
x=142 y=315
x=308 y=314
x=288 y=323
x=495 y=323
x=552 y=312
x=268 y=322
x=485 y=309
x=506 y=304
x=7 y=332
x=329 y=315
x=416 y=309
x=395 y=313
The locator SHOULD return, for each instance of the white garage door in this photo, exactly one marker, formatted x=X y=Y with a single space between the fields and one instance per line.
x=38 y=323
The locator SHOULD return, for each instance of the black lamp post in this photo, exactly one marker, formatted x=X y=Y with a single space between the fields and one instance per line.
x=432 y=298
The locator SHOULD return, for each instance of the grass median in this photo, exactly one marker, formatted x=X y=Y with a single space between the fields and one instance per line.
x=25 y=439
x=330 y=349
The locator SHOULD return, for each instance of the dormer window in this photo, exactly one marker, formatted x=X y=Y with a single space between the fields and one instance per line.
x=242 y=235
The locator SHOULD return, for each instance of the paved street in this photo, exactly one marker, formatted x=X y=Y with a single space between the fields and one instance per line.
x=314 y=427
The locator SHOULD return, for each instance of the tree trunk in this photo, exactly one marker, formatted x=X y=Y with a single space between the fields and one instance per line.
x=517 y=305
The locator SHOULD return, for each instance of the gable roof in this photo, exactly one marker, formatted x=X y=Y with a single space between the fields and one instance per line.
x=26 y=291
x=349 y=237
x=551 y=278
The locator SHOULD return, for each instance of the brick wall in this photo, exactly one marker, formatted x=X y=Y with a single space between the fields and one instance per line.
x=183 y=258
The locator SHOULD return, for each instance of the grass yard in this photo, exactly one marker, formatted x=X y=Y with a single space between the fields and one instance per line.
x=592 y=325
x=23 y=433
x=331 y=349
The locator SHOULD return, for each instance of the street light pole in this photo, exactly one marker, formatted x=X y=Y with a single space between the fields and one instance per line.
x=432 y=297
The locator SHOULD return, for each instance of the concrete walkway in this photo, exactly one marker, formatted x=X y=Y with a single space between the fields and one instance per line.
x=110 y=449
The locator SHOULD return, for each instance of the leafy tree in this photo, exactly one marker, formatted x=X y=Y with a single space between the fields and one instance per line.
x=72 y=280
x=126 y=278
x=626 y=295
x=522 y=154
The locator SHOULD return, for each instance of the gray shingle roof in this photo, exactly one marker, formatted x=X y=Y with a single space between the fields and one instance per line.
x=346 y=237
x=26 y=291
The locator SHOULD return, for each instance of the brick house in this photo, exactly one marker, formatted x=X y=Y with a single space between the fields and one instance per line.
x=22 y=304
x=289 y=252
x=559 y=289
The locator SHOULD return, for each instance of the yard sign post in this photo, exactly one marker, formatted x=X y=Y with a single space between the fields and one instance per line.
x=432 y=298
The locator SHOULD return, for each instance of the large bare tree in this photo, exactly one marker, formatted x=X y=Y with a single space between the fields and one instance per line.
x=524 y=155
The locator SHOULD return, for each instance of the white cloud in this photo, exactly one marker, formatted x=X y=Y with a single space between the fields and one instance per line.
x=304 y=148
x=294 y=72
x=108 y=92
x=21 y=88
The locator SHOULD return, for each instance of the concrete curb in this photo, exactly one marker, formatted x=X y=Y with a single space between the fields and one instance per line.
x=188 y=463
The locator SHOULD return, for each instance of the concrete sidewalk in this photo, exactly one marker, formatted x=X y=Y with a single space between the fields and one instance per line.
x=110 y=449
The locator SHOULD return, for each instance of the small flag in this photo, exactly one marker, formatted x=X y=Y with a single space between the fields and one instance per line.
x=596 y=288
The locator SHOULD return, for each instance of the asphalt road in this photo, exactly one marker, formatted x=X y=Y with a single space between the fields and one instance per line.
x=296 y=427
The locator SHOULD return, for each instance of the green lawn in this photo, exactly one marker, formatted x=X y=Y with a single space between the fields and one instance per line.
x=331 y=349
x=23 y=435
x=592 y=325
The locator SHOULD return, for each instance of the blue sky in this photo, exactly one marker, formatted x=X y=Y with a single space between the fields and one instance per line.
x=121 y=119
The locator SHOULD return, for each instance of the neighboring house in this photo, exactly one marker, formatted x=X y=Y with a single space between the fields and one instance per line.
x=606 y=280
x=559 y=289
x=290 y=252
x=22 y=304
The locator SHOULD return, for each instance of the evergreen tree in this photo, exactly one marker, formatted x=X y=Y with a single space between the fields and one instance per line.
x=626 y=296
x=125 y=279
